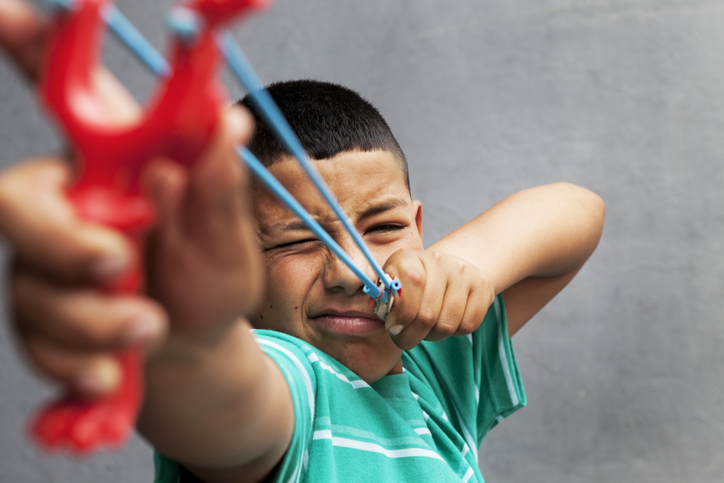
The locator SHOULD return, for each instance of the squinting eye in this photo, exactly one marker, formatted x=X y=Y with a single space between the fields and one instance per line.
x=384 y=228
x=295 y=243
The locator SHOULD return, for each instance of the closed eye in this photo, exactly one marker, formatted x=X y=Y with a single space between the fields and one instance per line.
x=293 y=243
x=384 y=228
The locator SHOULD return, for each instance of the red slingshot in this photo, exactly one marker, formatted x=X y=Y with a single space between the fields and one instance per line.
x=177 y=123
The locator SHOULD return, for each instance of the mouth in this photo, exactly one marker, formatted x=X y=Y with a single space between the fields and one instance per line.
x=348 y=322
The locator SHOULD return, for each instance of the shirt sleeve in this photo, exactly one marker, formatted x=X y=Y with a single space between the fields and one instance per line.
x=498 y=378
x=297 y=371
x=475 y=378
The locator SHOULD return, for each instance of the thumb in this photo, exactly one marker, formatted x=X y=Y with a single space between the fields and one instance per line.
x=217 y=193
x=23 y=34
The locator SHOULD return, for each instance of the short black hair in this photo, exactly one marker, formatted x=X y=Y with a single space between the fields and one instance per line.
x=327 y=118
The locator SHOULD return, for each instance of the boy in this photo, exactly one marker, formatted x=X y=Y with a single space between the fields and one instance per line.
x=328 y=393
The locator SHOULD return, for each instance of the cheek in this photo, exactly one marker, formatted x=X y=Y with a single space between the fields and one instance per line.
x=409 y=242
x=288 y=281
x=413 y=241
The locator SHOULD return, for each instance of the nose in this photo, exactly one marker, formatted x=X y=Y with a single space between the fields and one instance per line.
x=338 y=277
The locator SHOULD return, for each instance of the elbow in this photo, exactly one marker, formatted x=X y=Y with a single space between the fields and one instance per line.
x=590 y=205
x=590 y=211
x=587 y=210
x=595 y=208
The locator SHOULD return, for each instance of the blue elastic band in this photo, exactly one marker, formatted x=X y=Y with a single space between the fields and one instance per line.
x=136 y=42
x=55 y=6
x=148 y=55
x=275 y=120
x=276 y=187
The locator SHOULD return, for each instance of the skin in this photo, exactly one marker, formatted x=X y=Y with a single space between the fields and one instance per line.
x=310 y=293
x=314 y=296
x=447 y=288
x=214 y=401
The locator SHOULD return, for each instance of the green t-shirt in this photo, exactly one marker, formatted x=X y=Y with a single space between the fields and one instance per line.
x=424 y=425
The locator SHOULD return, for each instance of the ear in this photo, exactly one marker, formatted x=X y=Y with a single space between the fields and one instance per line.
x=417 y=209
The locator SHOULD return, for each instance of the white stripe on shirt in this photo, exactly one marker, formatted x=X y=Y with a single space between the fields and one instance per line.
x=358 y=384
x=504 y=358
x=468 y=474
x=300 y=367
x=375 y=448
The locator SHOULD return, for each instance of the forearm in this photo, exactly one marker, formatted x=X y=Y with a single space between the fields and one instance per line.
x=546 y=231
x=216 y=403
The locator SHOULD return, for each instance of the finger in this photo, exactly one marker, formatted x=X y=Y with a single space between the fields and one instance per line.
x=167 y=182
x=214 y=184
x=408 y=269
x=23 y=34
x=428 y=312
x=218 y=196
x=479 y=301
x=413 y=314
x=85 y=320
x=86 y=375
x=451 y=312
x=45 y=232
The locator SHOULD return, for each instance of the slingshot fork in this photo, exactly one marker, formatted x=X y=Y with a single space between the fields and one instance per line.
x=177 y=123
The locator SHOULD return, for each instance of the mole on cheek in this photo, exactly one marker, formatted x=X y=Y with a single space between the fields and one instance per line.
x=295 y=308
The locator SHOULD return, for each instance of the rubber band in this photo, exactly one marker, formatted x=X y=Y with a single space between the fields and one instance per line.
x=145 y=52
x=135 y=41
x=275 y=120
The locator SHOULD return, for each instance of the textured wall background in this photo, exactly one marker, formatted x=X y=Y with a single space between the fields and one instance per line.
x=625 y=97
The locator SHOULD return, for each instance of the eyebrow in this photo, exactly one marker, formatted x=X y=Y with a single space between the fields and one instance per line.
x=386 y=206
x=294 y=225
x=297 y=224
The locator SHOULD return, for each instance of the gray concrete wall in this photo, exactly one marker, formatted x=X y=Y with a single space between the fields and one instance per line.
x=625 y=97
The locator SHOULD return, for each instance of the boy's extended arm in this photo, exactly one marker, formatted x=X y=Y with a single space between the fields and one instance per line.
x=214 y=401
x=531 y=244
x=240 y=433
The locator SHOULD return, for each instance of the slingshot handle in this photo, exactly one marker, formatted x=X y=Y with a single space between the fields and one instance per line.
x=177 y=123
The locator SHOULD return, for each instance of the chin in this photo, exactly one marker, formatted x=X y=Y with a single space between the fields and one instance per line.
x=368 y=372
x=370 y=375
x=370 y=360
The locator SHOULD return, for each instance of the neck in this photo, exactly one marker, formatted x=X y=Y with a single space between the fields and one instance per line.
x=396 y=369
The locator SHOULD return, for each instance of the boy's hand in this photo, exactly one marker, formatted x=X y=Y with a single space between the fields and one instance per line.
x=68 y=328
x=203 y=263
x=204 y=268
x=442 y=296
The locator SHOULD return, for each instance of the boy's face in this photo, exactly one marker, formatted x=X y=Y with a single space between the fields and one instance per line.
x=311 y=294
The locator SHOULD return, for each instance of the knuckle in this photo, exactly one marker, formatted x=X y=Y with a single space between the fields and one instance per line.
x=482 y=292
x=406 y=266
x=412 y=275
x=468 y=326
x=404 y=315
x=437 y=256
x=426 y=318
x=480 y=314
x=446 y=328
